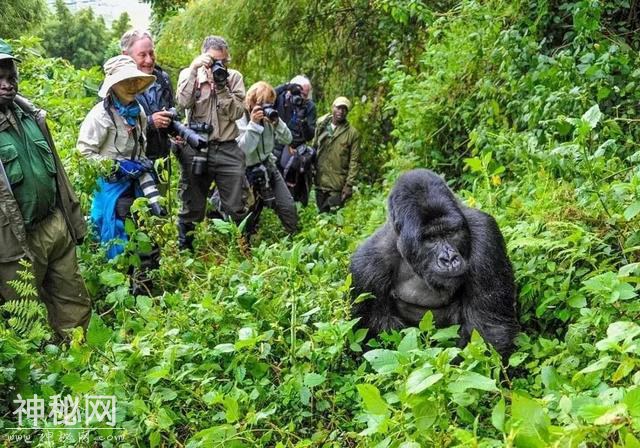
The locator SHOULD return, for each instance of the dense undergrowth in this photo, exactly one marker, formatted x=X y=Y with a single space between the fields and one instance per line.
x=530 y=110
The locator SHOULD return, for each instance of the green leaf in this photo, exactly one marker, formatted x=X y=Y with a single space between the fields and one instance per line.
x=472 y=380
x=382 y=360
x=631 y=442
x=446 y=334
x=112 y=278
x=372 y=400
x=530 y=422
x=97 y=333
x=577 y=301
x=313 y=379
x=232 y=409
x=631 y=211
x=224 y=348
x=615 y=415
x=422 y=379
x=593 y=116
x=627 y=366
x=164 y=419
x=75 y=382
x=156 y=374
x=409 y=342
x=426 y=413
x=166 y=394
x=474 y=164
x=154 y=439
x=550 y=378
x=426 y=323
x=498 y=415
x=600 y=364
x=517 y=358
x=632 y=400
x=410 y=444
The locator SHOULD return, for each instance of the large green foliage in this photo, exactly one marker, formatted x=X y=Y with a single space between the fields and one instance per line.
x=82 y=38
x=340 y=45
x=18 y=17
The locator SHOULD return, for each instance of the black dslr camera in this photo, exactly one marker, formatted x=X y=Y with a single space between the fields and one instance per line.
x=296 y=95
x=219 y=72
x=191 y=135
x=259 y=178
x=270 y=111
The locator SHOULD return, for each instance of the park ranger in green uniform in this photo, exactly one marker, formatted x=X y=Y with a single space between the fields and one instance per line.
x=338 y=150
x=40 y=216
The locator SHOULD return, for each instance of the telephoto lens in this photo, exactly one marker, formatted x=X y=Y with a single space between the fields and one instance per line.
x=150 y=191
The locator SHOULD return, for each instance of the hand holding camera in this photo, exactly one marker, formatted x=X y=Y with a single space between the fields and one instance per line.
x=266 y=110
x=161 y=119
x=204 y=60
x=257 y=115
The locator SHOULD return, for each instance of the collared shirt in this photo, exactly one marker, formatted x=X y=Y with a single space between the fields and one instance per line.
x=28 y=164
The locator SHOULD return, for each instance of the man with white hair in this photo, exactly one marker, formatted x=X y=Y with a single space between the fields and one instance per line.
x=298 y=111
x=158 y=98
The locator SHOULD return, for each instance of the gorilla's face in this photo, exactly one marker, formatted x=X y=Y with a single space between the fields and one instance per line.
x=433 y=234
x=438 y=254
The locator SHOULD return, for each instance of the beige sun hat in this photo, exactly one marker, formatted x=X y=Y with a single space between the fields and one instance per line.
x=122 y=67
x=342 y=101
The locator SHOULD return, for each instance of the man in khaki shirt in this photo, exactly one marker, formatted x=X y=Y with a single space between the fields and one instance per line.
x=212 y=96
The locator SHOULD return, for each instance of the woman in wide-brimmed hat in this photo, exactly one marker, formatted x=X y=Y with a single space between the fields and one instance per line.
x=115 y=130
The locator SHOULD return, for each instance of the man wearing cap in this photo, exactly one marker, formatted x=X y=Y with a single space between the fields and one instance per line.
x=337 y=145
x=40 y=216
x=212 y=96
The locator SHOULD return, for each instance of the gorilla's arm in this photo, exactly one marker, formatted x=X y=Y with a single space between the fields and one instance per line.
x=489 y=294
x=373 y=270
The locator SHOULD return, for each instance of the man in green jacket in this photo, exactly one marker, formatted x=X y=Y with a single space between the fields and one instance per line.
x=337 y=146
x=40 y=216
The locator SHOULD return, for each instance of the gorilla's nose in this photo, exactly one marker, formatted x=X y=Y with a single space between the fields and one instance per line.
x=449 y=260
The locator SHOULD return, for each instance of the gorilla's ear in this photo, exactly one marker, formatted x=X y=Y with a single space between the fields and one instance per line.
x=396 y=220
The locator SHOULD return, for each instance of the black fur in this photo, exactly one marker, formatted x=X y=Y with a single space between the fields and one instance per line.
x=434 y=253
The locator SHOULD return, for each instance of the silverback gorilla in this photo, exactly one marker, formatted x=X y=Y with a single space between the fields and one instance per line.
x=433 y=253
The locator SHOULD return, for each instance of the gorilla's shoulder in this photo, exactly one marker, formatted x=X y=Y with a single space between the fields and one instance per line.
x=480 y=222
x=379 y=247
x=488 y=248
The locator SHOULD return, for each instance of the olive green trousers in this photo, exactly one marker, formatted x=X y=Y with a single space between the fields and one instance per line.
x=57 y=275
